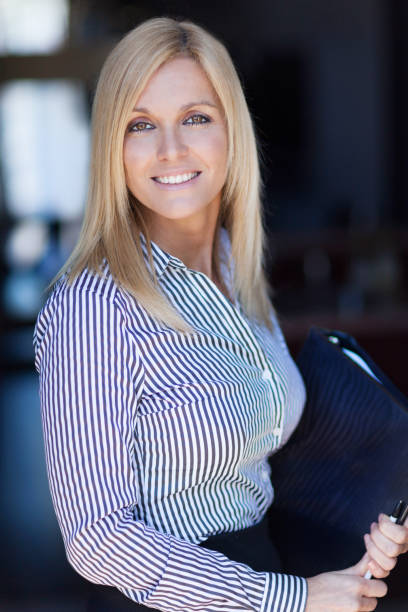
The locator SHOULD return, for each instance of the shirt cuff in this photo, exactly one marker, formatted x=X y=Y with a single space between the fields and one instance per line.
x=284 y=593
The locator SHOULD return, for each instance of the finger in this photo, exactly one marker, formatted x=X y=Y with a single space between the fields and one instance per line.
x=387 y=563
x=367 y=604
x=359 y=569
x=373 y=588
x=401 y=531
x=370 y=591
x=390 y=543
x=396 y=533
x=376 y=570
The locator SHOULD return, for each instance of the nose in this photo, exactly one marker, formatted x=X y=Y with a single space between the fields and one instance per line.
x=171 y=145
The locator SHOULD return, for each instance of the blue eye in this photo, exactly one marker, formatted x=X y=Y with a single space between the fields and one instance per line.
x=140 y=126
x=197 y=119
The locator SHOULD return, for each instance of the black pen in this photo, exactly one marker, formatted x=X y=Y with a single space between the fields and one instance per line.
x=398 y=516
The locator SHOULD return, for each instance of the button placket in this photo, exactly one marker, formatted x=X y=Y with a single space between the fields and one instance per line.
x=258 y=351
x=277 y=431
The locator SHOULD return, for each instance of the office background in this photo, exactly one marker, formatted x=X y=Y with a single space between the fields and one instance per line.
x=327 y=85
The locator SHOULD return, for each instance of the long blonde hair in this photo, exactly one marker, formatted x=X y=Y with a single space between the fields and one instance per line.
x=113 y=219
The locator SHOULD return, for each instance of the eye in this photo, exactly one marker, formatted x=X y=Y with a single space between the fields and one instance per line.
x=196 y=119
x=140 y=126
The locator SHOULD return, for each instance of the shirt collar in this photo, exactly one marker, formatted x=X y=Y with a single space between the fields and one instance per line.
x=162 y=259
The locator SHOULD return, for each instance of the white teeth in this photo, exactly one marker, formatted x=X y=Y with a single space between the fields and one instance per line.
x=179 y=178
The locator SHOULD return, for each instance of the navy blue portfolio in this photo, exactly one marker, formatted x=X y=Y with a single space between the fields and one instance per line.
x=346 y=462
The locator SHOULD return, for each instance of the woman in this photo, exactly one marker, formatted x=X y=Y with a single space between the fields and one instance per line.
x=165 y=379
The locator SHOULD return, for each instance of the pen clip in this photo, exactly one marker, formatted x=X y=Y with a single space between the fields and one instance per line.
x=400 y=512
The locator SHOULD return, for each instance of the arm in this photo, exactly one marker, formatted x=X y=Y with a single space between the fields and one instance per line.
x=91 y=379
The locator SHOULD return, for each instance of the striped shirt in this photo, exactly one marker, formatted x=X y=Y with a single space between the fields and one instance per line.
x=155 y=440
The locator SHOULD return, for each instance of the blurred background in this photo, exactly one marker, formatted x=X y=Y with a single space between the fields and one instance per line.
x=327 y=85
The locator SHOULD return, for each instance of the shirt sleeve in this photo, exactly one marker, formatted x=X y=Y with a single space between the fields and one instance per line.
x=91 y=379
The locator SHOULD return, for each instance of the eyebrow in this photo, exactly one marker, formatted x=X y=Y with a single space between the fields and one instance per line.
x=143 y=109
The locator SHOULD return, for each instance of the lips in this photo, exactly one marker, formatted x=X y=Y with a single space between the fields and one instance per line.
x=176 y=179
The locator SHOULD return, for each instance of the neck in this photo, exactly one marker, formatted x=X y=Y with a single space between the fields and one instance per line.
x=193 y=245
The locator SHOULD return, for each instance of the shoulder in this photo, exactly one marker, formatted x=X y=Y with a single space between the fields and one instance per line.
x=87 y=284
x=90 y=290
x=100 y=283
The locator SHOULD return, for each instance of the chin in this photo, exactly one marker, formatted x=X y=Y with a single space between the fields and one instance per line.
x=178 y=212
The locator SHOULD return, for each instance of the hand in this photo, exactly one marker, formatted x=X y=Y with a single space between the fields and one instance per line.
x=385 y=542
x=344 y=591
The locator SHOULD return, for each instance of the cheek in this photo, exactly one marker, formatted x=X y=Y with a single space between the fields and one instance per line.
x=128 y=161
x=215 y=150
x=135 y=157
x=211 y=145
x=220 y=156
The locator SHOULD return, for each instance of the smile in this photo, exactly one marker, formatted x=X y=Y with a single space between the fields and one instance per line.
x=177 y=179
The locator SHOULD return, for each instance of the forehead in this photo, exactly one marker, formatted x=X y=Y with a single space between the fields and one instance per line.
x=177 y=82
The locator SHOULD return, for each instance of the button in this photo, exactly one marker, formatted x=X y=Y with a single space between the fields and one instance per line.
x=277 y=431
x=266 y=375
x=265 y=475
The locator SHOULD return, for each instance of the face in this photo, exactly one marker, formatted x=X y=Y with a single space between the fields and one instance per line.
x=175 y=148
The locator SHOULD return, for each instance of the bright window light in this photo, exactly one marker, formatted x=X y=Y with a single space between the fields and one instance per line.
x=44 y=147
x=23 y=292
x=26 y=243
x=32 y=26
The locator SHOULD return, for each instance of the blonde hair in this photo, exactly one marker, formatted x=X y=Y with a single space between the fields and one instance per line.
x=113 y=220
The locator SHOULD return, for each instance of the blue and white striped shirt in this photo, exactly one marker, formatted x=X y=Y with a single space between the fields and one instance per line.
x=155 y=440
